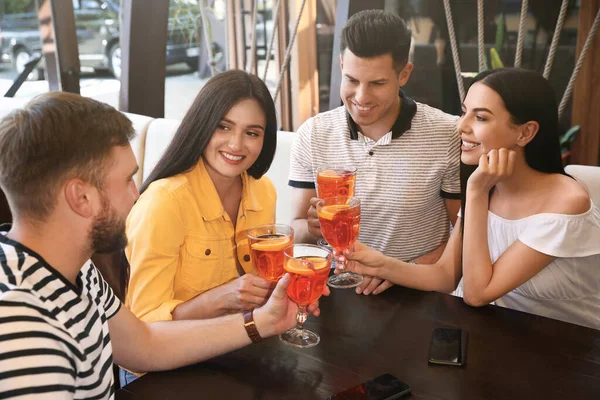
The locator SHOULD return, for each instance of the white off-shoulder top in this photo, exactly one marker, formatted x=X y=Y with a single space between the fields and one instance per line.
x=567 y=289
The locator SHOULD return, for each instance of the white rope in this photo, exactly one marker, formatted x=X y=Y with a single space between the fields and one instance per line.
x=480 y=39
x=250 y=64
x=288 y=51
x=272 y=40
x=455 y=56
x=207 y=39
x=584 y=50
x=555 y=38
x=519 y=54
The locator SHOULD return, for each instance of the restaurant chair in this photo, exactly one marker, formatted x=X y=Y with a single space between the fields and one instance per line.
x=589 y=176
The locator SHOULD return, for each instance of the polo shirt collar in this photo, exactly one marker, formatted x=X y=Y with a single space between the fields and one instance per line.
x=408 y=109
x=210 y=204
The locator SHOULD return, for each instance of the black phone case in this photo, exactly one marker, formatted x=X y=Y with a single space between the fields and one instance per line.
x=463 y=351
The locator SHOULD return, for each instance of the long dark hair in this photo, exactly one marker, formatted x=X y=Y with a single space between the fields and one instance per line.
x=215 y=99
x=527 y=96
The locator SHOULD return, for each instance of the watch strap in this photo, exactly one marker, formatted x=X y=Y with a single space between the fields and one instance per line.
x=251 y=327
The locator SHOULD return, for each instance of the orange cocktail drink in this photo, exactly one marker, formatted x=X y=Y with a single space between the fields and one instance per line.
x=340 y=225
x=308 y=266
x=334 y=181
x=267 y=243
x=309 y=275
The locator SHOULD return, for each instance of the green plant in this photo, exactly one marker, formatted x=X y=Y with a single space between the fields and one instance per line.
x=495 y=60
x=567 y=139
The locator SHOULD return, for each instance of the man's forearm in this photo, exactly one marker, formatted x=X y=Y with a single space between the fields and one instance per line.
x=301 y=233
x=175 y=344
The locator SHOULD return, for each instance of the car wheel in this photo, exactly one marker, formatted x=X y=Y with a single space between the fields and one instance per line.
x=21 y=57
x=192 y=63
x=114 y=60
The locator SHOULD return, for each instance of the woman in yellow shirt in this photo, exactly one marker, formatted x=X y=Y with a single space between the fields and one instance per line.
x=188 y=248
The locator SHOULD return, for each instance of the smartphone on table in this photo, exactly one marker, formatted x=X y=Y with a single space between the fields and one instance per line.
x=448 y=347
x=384 y=387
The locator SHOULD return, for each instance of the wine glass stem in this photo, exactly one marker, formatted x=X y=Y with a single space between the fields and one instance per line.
x=341 y=264
x=301 y=317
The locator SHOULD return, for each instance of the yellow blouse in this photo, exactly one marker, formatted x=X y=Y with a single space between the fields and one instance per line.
x=182 y=242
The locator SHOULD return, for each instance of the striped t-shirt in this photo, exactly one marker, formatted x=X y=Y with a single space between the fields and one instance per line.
x=54 y=340
x=402 y=179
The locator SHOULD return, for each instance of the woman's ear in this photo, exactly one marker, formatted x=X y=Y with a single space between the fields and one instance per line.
x=527 y=132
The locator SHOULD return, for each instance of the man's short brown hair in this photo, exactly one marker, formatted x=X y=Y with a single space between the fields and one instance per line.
x=374 y=33
x=55 y=137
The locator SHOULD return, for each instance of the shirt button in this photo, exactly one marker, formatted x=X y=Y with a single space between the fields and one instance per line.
x=207 y=252
x=246 y=257
x=371 y=152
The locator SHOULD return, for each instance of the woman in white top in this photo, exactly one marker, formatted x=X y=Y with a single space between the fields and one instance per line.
x=530 y=235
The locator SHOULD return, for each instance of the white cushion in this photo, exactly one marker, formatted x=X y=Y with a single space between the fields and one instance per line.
x=589 y=176
x=140 y=126
x=158 y=136
x=279 y=172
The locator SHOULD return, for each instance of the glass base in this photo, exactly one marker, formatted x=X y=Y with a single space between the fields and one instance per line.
x=345 y=280
x=303 y=338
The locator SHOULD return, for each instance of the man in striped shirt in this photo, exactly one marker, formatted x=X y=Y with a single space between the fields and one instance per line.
x=407 y=154
x=67 y=170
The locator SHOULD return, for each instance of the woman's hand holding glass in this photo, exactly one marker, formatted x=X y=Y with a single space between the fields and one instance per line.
x=246 y=292
x=361 y=259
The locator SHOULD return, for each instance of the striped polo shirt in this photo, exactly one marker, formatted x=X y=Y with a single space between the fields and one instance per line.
x=402 y=179
x=54 y=339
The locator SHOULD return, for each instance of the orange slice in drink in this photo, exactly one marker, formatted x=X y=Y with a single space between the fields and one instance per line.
x=275 y=244
x=330 y=173
x=306 y=266
x=328 y=212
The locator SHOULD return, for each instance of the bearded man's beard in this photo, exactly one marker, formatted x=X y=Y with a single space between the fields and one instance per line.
x=108 y=231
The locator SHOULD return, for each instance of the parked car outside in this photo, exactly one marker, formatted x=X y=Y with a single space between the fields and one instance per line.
x=97 y=27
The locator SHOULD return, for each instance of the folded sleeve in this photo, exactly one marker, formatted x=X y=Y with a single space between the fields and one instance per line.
x=156 y=230
x=451 y=178
x=564 y=235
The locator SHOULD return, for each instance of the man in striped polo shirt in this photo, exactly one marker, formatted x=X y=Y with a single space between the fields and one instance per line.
x=67 y=169
x=407 y=153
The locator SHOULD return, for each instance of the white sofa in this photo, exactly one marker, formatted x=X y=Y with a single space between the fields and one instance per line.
x=155 y=134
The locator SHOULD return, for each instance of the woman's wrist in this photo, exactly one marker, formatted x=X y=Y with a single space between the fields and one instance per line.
x=474 y=193
x=386 y=267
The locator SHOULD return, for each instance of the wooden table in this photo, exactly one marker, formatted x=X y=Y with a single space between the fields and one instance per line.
x=510 y=355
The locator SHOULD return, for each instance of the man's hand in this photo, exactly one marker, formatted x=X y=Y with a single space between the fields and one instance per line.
x=279 y=313
x=314 y=226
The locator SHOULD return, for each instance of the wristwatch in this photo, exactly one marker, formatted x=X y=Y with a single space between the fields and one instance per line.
x=251 y=327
